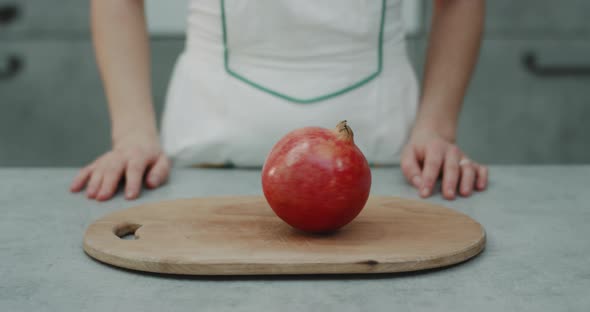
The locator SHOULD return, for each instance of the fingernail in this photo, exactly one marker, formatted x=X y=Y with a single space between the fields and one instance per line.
x=129 y=194
x=154 y=180
x=425 y=191
x=417 y=181
x=451 y=192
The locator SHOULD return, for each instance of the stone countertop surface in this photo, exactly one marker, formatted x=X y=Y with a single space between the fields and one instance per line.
x=537 y=256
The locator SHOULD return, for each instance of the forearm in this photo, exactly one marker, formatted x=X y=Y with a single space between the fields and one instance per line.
x=452 y=53
x=122 y=52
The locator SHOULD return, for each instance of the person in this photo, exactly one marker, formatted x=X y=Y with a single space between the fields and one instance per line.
x=253 y=70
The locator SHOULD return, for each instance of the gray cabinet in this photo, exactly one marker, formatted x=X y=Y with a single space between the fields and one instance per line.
x=36 y=18
x=528 y=101
x=514 y=113
x=416 y=48
x=53 y=109
x=541 y=17
x=533 y=18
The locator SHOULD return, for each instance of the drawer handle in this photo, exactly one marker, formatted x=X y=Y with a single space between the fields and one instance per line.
x=531 y=63
x=10 y=67
x=8 y=14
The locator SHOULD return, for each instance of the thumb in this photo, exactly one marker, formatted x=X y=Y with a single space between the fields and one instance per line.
x=159 y=172
x=411 y=168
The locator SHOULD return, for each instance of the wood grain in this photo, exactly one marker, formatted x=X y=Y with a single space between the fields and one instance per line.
x=241 y=235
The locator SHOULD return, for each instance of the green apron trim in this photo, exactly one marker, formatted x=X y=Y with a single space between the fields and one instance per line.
x=295 y=99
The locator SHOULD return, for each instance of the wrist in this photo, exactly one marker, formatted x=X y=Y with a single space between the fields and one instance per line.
x=134 y=134
x=132 y=119
x=445 y=130
x=137 y=123
x=437 y=116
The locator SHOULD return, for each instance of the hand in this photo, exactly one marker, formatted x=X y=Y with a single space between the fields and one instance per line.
x=428 y=155
x=130 y=158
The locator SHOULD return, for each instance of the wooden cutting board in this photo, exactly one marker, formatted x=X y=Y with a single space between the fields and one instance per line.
x=243 y=236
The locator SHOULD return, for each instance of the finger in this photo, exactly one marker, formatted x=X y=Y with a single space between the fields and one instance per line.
x=410 y=168
x=467 y=179
x=432 y=165
x=451 y=172
x=482 y=177
x=81 y=178
x=158 y=174
x=94 y=183
x=134 y=176
x=110 y=180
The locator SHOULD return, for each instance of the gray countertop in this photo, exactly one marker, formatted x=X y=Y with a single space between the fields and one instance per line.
x=537 y=257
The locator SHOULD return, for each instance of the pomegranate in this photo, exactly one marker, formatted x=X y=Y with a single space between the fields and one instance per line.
x=316 y=179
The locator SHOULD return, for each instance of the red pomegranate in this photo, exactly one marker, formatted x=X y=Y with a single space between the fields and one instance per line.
x=317 y=179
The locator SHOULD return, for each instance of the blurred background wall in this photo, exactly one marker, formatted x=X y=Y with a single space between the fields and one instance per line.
x=529 y=100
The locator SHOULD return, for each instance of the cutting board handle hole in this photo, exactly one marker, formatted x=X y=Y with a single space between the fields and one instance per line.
x=127 y=231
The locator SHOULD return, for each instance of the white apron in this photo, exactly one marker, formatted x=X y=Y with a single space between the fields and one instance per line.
x=253 y=70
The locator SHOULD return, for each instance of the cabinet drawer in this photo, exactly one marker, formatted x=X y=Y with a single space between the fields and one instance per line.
x=548 y=18
x=536 y=113
x=53 y=107
x=43 y=17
